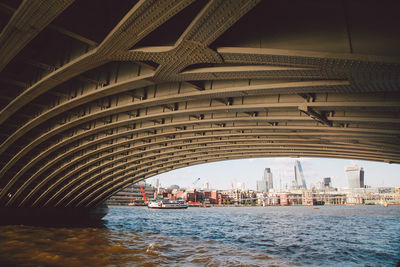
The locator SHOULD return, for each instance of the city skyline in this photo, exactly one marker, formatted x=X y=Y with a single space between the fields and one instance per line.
x=224 y=174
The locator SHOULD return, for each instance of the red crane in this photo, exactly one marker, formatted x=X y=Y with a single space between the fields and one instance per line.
x=144 y=195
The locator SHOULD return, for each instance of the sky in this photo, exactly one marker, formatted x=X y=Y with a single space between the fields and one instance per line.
x=224 y=174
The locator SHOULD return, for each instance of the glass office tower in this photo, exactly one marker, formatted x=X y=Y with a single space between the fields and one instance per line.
x=266 y=183
x=327 y=182
x=299 y=176
x=355 y=176
x=262 y=186
x=268 y=178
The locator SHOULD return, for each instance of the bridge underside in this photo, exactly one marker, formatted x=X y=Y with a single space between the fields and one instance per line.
x=96 y=95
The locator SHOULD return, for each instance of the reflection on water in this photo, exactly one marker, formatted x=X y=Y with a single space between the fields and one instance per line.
x=278 y=236
x=35 y=246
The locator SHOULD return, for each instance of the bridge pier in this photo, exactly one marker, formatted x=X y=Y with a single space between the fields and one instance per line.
x=52 y=215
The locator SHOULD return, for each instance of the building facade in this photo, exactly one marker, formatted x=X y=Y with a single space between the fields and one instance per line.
x=266 y=183
x=132 y=195
x=327 y=182
x=262 y=186
x=268 y=177
x=355 y=176
x=299 y=181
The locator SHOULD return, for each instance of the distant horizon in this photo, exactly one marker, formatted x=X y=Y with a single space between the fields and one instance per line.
x=223 y=174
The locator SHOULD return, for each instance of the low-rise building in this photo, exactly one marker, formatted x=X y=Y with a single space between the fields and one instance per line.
x=307 y=197
x=132 y=195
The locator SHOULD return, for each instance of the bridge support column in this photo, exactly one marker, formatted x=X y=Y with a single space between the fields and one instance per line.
x=52 y=215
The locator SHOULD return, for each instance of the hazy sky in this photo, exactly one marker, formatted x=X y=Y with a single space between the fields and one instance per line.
x=221 y=175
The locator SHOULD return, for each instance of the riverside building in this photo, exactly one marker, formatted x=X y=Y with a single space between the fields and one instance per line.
x=132 y=195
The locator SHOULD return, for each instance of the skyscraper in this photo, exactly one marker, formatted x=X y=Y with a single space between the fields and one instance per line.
x=262 y=186
x=300 y=182
x=266 y=183
x=268 y=178
x=355 y=176
x=327 y=182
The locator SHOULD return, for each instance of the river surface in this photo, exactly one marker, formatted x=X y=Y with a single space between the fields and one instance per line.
x=223 y=236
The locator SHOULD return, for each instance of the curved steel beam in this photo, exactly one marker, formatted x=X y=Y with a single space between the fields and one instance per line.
x=120 y=144
x=143 y=18
x=194 y=98
x=105 y=139
x=140 y=81
x=233 y=108
x=29 y=19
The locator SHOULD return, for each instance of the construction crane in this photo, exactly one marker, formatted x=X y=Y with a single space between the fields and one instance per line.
x=195 y=181
x=144 y=195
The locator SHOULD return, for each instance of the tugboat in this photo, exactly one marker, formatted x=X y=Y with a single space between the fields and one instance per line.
x=167 y=204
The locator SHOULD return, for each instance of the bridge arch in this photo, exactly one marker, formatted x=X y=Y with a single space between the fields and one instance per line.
x=85 y=112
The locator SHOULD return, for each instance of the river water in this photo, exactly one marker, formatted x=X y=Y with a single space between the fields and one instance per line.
x=223 y=236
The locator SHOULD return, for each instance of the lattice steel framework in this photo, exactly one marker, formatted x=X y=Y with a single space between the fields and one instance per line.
x=97 y=95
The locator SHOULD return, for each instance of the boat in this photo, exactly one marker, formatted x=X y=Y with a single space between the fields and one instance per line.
x=194 y=204
x=137 y=204
x=198 y=204
x=167 y=204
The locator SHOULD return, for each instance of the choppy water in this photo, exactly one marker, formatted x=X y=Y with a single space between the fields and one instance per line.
x=231 y=236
